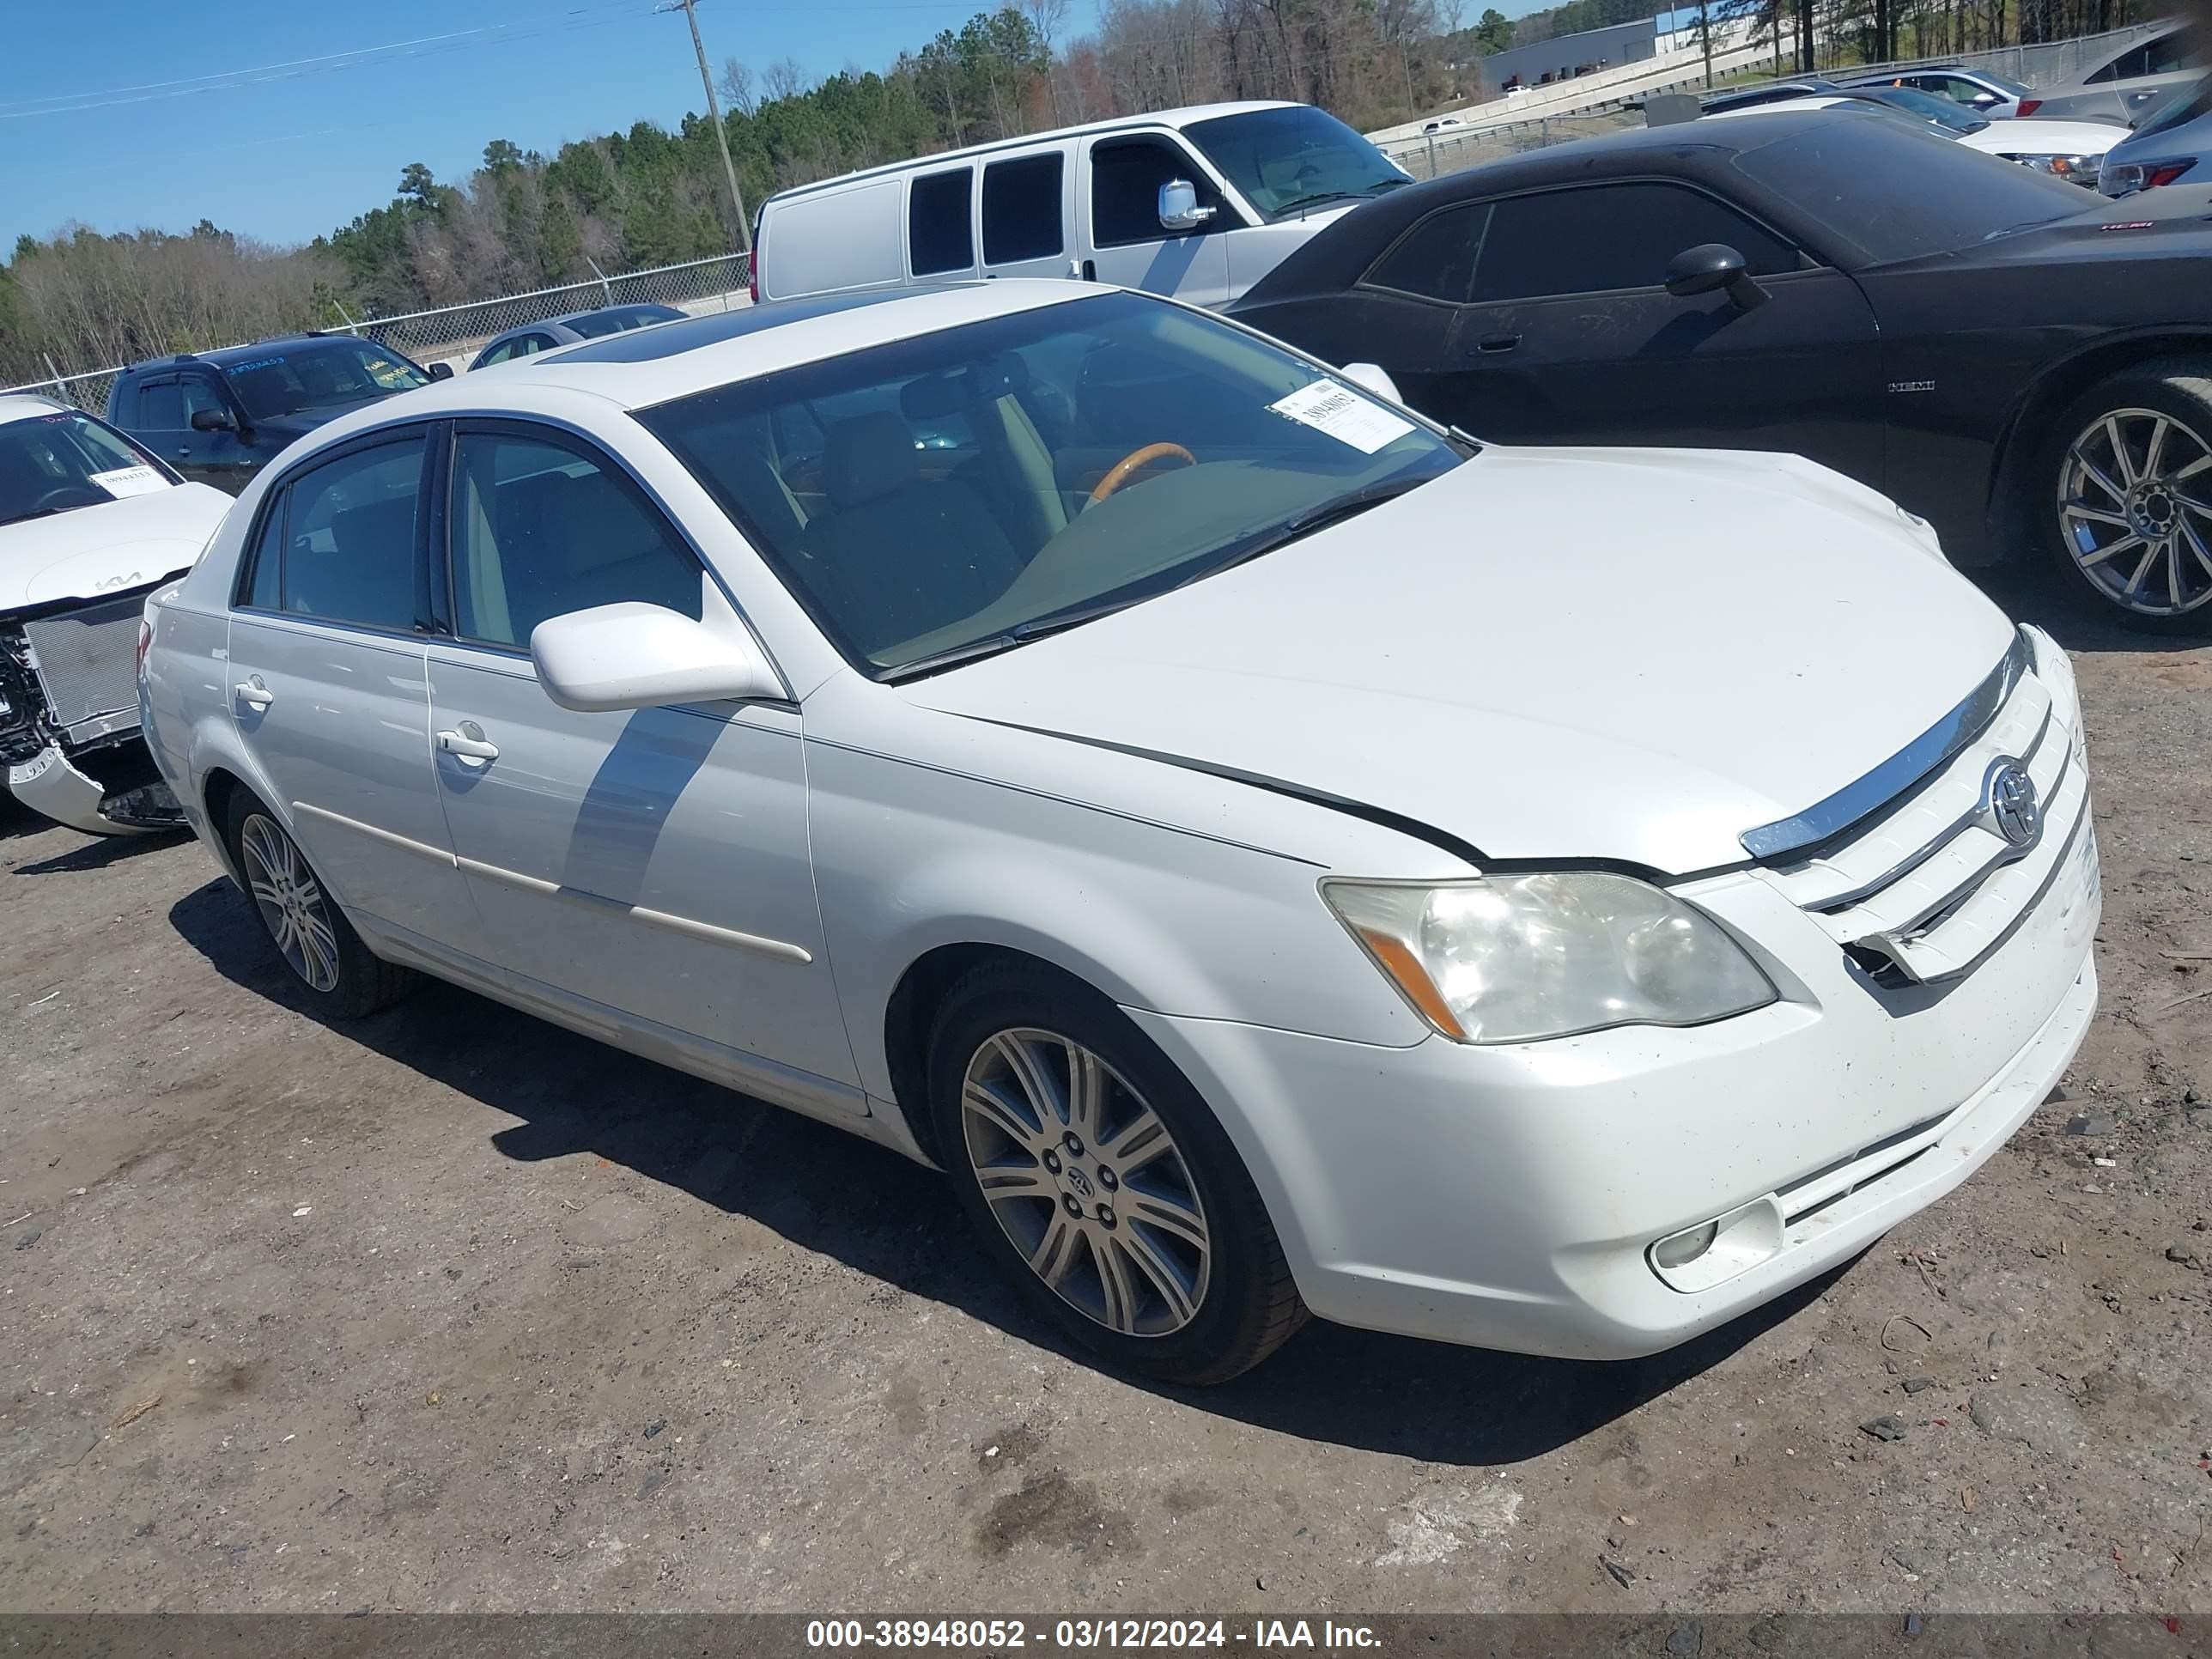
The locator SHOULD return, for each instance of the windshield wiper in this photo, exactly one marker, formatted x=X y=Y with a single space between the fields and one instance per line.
x=1314 y=200
x=42 y=513
x=1335 y=512
x=1052 y=622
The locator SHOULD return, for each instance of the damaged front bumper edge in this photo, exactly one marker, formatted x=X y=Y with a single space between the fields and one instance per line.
x=49 y=786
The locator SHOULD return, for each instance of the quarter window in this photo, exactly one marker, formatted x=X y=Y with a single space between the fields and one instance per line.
x=940 y=226
x=1436 y=259
x=348 y=546
x=540 y=529
x=1606 y=237
x=1021 y=208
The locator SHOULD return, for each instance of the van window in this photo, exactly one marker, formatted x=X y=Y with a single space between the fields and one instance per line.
x=940 y=235
x=1021 y=208
x=1126 y=176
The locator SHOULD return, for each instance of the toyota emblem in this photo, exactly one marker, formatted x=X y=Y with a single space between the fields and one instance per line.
x=2009 y=803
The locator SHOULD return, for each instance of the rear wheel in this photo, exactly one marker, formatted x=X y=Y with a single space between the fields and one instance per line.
x=2131 y=520
x=1100 y=1183
x=310 y=932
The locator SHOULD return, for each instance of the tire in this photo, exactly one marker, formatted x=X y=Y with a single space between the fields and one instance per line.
x=2120 y=501
x=342 y=978
x=1175 y=1272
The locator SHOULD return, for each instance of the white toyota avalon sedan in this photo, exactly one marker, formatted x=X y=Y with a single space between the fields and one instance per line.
x=1273 y=855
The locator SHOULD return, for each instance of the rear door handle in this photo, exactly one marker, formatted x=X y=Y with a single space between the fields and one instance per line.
x=1497 y=342
x=468 y=748
x=253 y=694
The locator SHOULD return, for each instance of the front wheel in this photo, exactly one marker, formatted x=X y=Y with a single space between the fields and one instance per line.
x=1100 y=1183
x=2130 y=521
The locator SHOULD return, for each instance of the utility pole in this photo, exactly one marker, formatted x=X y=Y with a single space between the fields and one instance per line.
x=714 y=114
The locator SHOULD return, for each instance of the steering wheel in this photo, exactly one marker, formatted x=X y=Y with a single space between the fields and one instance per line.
x=67 y=495
x=1135 y=462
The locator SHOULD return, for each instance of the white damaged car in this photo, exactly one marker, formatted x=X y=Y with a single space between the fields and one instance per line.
x=89 y=523
x=1276 y=855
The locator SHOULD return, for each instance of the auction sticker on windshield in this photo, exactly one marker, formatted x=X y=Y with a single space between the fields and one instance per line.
x=1344 y=415
x=129 y=481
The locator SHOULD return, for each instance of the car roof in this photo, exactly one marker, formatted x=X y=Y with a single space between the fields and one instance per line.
x=1187 y=115
x=225 y=356
x=649 y=366
x=28 y=405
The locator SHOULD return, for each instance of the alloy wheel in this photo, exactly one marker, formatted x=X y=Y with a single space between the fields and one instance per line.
x=2135 y=510
x=1086 y=1182
x=290 y=901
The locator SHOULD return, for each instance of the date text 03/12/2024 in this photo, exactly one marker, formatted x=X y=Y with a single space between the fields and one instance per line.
x=1008 y=1635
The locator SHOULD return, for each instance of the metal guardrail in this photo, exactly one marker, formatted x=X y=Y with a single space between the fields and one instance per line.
x=2045 y=63
x=449 y=332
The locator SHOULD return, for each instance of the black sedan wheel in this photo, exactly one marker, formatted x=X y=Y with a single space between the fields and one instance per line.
x=2134 y=507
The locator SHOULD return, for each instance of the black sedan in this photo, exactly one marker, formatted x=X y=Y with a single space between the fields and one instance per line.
x=2030 y=371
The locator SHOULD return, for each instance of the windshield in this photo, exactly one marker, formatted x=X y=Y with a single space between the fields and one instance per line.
x=54 y=463
x=318 y=374
x=1952 y=117
x=960 y=492
x=1841 y=174
x=1287 y=160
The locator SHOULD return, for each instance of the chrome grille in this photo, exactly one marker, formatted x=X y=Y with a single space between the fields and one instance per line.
x=88 y=659
x=1925 y=885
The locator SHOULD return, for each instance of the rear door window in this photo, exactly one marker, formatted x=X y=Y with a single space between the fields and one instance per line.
x=940 y=226
x=1021 y=208
x=350 y=538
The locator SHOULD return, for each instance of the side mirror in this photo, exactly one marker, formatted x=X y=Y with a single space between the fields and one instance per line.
x=1179 y=208
x=441 y=371
x=632 y=655
x=1371 y=377
x=213 y=420
x=1711 y=265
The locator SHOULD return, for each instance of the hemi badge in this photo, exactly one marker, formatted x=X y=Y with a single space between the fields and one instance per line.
x=1913 y=386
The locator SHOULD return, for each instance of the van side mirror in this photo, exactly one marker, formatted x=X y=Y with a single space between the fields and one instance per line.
x=632 y=655
x=1711 y=266
x=213 y=420
x=1179 y=208
x=441 y=371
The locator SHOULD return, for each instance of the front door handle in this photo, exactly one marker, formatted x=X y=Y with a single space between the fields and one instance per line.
x=468 y=743
x=1497 y=342
x=254 y=695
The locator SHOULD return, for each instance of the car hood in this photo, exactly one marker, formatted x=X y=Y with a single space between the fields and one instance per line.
x=1631 y=655
x=301 y=421
x=90 y=552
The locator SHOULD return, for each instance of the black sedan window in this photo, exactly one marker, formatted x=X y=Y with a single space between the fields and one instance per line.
x=1602 y=237
x=1843 y=175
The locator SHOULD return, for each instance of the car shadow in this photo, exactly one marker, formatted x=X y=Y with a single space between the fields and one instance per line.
x=2026 y=595
x=96 y=853
x=886 y=1217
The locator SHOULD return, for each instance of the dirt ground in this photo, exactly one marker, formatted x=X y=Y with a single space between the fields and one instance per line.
x=452 y=1310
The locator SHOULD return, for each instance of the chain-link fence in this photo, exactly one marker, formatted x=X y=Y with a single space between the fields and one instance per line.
x=453 y=334
x=2049 y=63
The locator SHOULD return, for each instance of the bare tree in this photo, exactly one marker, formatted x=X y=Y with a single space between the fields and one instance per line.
x=737 y=87
x=785 y=78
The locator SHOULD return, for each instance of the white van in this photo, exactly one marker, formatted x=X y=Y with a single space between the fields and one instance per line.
x=1199 y=204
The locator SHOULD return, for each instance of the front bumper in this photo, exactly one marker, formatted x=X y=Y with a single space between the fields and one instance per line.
x=1508 y=1196
x=51 y=785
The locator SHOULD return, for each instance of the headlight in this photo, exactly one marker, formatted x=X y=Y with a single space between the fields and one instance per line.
x=2079 y=168
x=1512 y=958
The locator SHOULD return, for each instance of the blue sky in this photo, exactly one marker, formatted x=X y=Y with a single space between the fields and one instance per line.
x=101 y=119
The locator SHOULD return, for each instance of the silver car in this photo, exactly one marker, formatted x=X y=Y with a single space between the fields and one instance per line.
x=2133 y=80
x=2170 y=144
x=531 y=338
